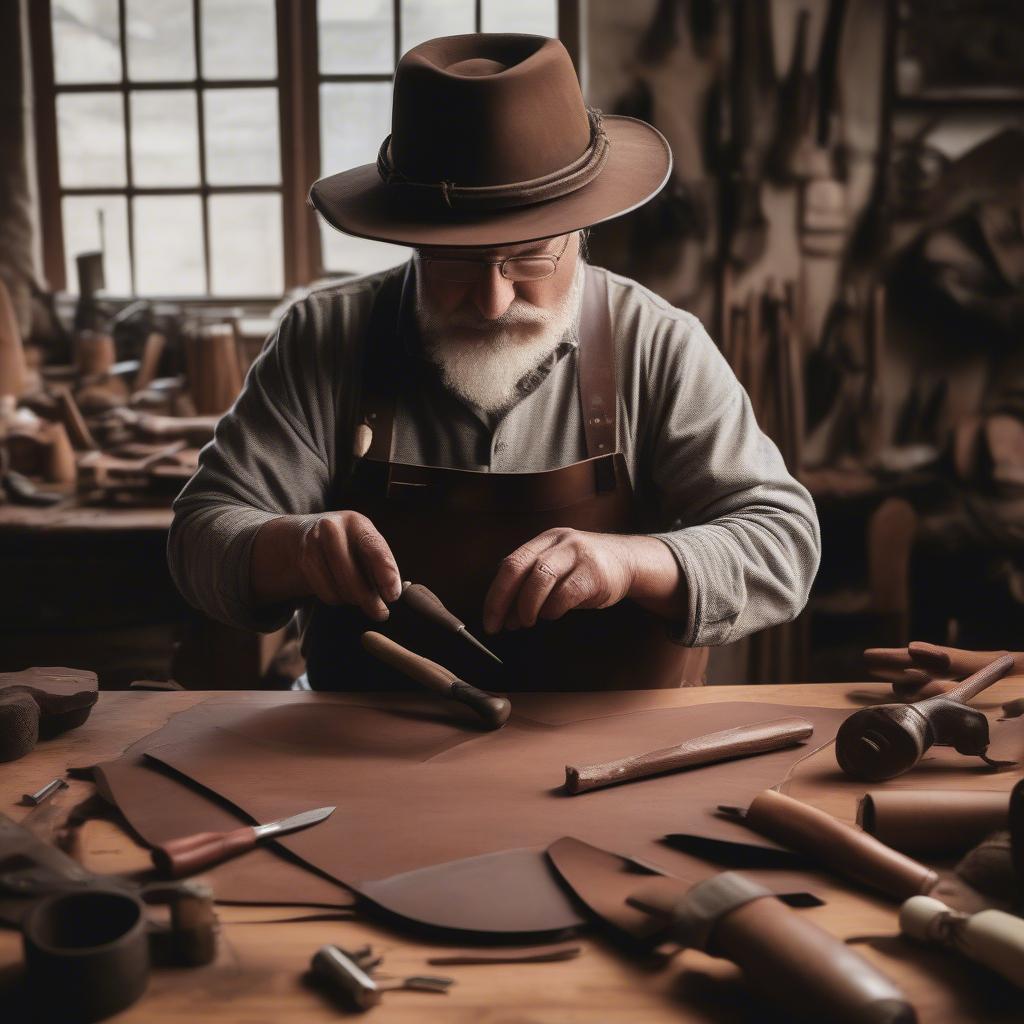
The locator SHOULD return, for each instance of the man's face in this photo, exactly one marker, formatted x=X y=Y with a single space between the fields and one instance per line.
x=495 y=300
x=486 y=334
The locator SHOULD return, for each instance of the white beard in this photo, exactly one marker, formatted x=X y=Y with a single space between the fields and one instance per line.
x=483 y=360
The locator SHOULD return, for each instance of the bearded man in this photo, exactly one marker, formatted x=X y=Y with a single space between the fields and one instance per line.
x=560 y=455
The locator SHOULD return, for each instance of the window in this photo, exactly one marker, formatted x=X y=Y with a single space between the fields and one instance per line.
x=181 y=136
x=168 y=145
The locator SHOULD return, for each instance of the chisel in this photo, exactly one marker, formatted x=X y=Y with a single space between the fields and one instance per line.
x=493 y=710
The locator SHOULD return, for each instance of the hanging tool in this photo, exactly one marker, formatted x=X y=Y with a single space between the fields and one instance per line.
x=419 y=599
x=493 y=710
x=190 y=854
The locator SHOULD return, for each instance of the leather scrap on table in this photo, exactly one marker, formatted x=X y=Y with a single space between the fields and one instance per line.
x=40 y=703
x=433 y=819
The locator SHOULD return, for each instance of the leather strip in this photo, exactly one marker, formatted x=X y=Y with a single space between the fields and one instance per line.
x=583 y=170
x=598 y=394
x=697 y=912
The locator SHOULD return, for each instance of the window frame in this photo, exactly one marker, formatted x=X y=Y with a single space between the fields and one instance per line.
x=297 y=82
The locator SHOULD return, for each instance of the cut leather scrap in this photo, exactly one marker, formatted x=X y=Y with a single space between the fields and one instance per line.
x=463 y=797
x=40 y=703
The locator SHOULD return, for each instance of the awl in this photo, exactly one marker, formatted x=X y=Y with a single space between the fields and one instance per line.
x=189 y=854
x=431 y=607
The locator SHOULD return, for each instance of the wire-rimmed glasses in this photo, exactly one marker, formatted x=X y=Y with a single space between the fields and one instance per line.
x=531 y=267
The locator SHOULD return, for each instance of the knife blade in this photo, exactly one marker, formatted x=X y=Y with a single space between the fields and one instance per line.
x=189 y=854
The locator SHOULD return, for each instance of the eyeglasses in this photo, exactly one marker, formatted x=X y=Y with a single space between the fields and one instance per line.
x=513 y=268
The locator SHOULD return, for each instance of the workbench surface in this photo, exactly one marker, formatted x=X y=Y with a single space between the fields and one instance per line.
x=258 y=975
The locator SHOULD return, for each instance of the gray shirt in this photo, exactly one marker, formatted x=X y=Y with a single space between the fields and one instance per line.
x=713 y=487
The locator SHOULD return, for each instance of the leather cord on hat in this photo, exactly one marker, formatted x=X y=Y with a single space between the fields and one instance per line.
x=570 y=178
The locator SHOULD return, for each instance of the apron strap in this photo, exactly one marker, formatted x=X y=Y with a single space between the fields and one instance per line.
x=596 y=362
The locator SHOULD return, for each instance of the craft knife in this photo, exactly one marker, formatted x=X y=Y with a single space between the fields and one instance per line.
x=189 y=854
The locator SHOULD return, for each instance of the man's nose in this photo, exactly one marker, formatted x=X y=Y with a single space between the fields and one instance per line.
x=494 y=294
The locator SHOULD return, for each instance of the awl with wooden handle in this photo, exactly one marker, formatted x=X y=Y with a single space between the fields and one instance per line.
x=426 y=603
x=743 y=741
x=494 y=711
x=189 y=854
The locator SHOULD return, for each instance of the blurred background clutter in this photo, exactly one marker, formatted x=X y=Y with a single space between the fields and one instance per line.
x=846 y=215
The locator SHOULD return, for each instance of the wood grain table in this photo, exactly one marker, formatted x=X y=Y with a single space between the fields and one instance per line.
x=259 y=973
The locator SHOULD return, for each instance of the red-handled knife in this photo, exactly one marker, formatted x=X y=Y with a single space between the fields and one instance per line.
x=189 y=854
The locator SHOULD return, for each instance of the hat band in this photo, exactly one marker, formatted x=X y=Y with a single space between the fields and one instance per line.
x=566 y=179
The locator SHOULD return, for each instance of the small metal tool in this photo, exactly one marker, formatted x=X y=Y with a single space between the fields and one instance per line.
x=189 y=854
x=429 y=605
x=34 y=799
x=348 y=974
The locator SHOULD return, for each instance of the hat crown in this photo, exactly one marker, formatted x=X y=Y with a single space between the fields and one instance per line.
x=487 y=109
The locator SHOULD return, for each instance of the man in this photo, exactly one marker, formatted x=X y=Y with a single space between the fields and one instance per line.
x=563 y=457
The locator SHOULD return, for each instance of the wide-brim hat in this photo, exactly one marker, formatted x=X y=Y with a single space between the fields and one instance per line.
x=492 y=144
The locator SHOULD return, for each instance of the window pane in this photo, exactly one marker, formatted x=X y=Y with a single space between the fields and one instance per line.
x=356 y=36
x=168 y=234
x=165 y=138
x=354 y=120
x=98 y=222
x=242 y=146
x=245 y=245
x=86 y=41
x=90 y=138
x=160 y=40
x=425 y=19
x=239 y=39
x=538 y=17
x=348 y=254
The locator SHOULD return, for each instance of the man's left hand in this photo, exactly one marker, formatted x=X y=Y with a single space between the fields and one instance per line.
x=557 y=571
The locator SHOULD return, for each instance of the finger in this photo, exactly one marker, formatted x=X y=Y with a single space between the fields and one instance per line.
x=505 y=584
x=930 y=656
x=902 y=677
x=887 y=657
x=549 y=567
x=348 y=574
x=376 y=559
x=571 y=592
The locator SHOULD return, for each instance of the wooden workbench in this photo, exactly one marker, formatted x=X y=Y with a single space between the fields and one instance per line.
x=258 y=976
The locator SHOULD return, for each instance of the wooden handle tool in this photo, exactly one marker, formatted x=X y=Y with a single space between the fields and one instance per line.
x=494 y=711
x=189 y=854
x=743 y=741
x=426 y=603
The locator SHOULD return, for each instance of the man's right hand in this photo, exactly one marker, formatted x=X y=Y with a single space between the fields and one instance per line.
x=338 y=557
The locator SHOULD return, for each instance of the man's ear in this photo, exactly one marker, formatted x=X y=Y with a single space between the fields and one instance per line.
x=584 y=252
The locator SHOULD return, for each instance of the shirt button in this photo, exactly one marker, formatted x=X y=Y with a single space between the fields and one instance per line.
x=500 y=448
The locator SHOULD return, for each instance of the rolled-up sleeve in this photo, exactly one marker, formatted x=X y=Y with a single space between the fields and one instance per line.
x=271 y=456
x=743 y=531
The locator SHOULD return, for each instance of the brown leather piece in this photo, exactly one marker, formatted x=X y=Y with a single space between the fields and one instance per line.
x=415 y=789
x=40 y=703
x=932 y=822
x=848 y=850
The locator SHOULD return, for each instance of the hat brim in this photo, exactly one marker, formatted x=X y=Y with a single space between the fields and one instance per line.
x=638 y=165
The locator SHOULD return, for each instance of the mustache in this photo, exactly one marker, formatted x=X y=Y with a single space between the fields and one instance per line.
x=518 y=314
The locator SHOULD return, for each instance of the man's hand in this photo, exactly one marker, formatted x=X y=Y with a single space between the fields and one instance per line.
x=339 y=557
x=555 y=572
x=919 y=663
x=564 y=569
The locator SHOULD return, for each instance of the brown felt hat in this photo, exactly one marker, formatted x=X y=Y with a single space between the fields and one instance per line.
x=492 y=144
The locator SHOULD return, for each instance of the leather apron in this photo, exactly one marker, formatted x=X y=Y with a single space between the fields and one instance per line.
x=449 y=529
